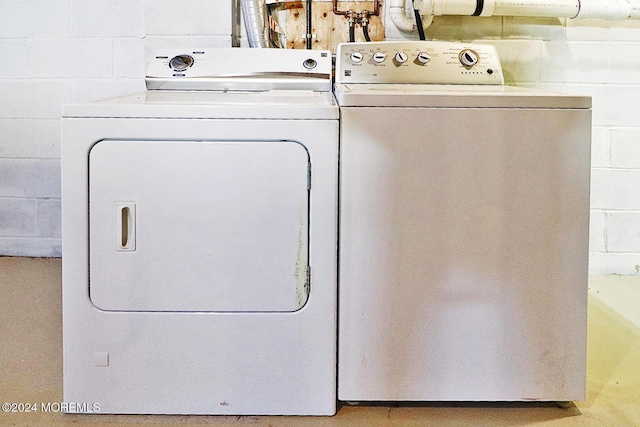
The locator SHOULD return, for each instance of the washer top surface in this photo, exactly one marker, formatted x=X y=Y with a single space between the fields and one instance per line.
x=453 y=96
x=271 y=104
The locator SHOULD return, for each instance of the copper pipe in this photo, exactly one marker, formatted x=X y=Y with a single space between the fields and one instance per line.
x=376 y=9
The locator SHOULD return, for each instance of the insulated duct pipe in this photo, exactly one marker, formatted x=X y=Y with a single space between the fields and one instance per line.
x=254 y=14
x=598 y=9
x=575 y=9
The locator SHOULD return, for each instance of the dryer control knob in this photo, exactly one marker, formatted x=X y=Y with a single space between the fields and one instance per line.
x=401 y=57
x=310 y=64
x=468 y=57
x=181 y=62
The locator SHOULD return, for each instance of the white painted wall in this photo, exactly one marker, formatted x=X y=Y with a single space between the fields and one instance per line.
x=62 y=51
x=66 y=51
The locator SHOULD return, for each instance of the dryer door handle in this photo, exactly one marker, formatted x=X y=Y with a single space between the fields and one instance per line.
x=125 y=226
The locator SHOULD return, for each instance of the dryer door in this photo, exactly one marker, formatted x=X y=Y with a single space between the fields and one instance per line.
x=198 y=225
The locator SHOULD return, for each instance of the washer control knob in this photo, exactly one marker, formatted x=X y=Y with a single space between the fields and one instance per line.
x=181 y=62
x=401 y=57
x=468 y=57
x=379 y=57
x=423 y=58
x=356 y=56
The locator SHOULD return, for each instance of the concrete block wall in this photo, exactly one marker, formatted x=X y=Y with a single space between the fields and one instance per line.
x=592 y=57
x=65 y=51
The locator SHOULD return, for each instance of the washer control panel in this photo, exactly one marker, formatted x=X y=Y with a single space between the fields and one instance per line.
x=418 y=62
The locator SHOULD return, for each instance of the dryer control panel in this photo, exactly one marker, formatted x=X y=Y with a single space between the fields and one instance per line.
x=223 y=69
x=418 y=62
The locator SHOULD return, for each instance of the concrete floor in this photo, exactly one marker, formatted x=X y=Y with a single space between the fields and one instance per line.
x=31 y=366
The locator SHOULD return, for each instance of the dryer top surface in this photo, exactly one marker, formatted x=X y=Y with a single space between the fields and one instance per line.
x=271 y=104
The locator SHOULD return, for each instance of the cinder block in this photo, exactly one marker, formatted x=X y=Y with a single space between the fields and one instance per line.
x=187 y=17
x=614 y=263
x=613 y=105
x=589 y=29
x=16 y=138
x=34 y=18
x=625 y=148
x=25 y=98
x=623 y=232
x=128 y=58
x=464 y=28
x=600 y=147
x=520 y=59
x=574 y=62
x=72 y=58
x=533 y=28
x=32 y=178
x=625 y=31
x=597 y=231
x=17 y=217
x=47 y=97
x=95 y=89
x=618 y=105
x=48 y=218
x=107 y=18
x=615 y=189
x=46 y=138
x=623 y=63
x=30 y=246
x=16 y=62
x=18 y=94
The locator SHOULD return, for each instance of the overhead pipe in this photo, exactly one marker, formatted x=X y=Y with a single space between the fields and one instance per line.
x=254 y=14
x=574 y=9
x=402 y=21
x=598 y=9
x=399 y=17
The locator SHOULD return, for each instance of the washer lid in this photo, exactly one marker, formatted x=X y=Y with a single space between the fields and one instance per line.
x=273 y=104
x=453 y=96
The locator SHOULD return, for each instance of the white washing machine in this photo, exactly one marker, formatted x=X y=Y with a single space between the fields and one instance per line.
x=464 y=216
x=199 y=239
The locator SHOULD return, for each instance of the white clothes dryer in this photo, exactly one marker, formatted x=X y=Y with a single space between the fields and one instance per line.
x=464 y=229
x=199 y=239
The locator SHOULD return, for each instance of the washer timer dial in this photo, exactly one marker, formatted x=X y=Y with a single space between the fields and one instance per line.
x=468 y=57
